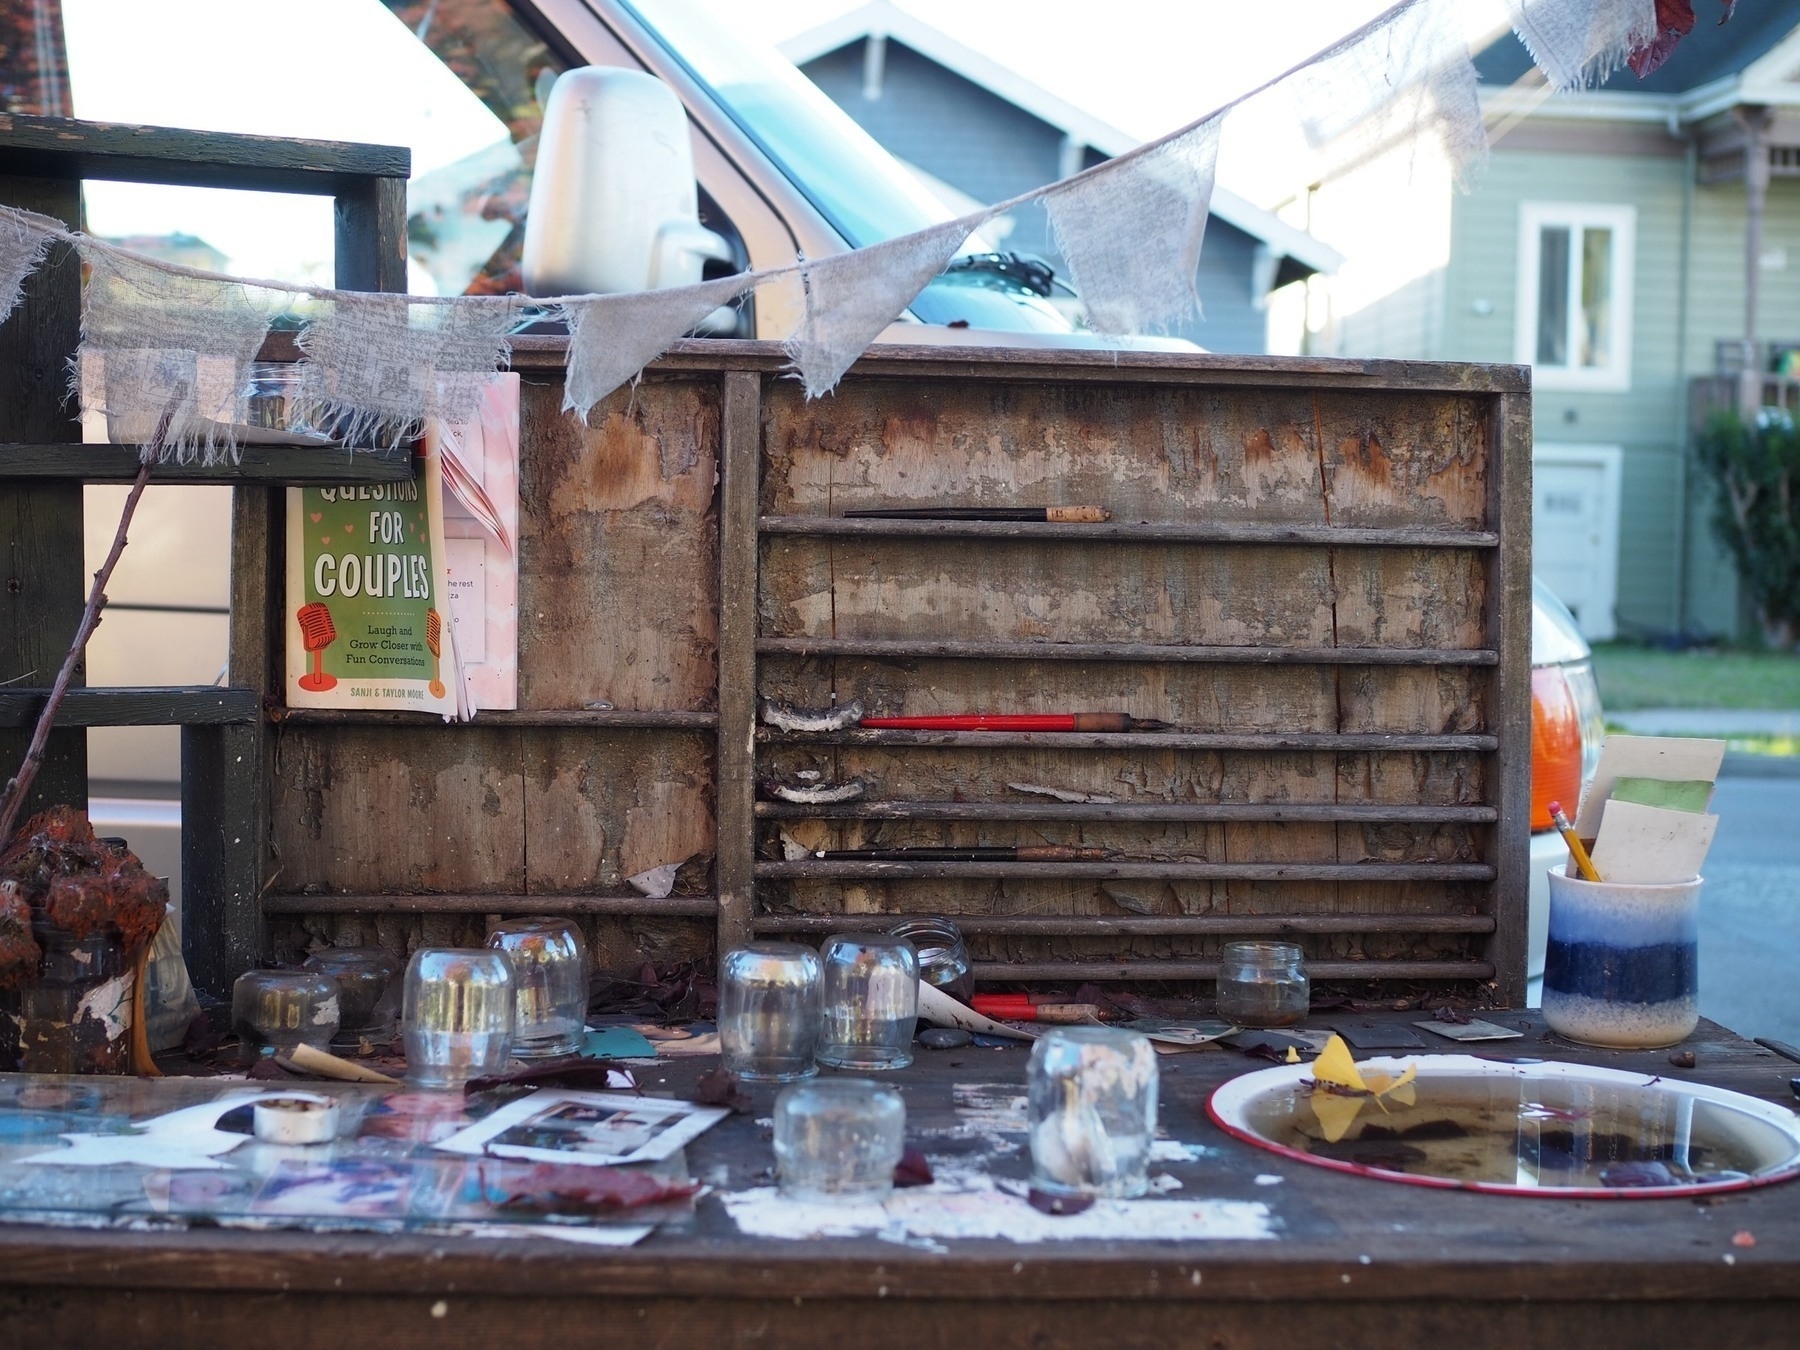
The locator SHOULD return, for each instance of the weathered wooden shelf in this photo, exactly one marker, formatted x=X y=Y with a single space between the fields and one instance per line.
x=1134 y=969
x=193 y=705
x=1129 y=532
x=268 y=465
x=630 y=906
x=574 y=718
x=821 y=869
x=1148 y=741
x=1171 y=925
x=1131 y=811
x=920 y=649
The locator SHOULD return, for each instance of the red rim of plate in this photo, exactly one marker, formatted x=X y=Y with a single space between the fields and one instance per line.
x=1244 y=1086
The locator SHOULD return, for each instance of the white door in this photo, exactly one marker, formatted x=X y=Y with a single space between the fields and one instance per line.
x=1575 y=531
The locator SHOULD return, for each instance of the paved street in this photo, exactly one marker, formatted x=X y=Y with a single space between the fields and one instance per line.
x=1750 y=910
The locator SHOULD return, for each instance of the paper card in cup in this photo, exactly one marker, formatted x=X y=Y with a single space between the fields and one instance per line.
x=1473 y=1030
x=1671 y=758
x=1651 y=846
x=1692 y=795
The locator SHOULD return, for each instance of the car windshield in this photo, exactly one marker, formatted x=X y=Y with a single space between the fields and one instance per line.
x=860 y=189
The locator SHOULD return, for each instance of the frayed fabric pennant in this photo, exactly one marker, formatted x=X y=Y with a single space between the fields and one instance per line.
x=613 y=337
x=22 y=249
x=851 y=297
x=169 y=351
x=1580 y=42
x=378 y=365
x=1405 y=81
x=1132 y=232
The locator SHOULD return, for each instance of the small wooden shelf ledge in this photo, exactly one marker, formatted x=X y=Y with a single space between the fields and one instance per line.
x=628 y=906
x=1333 y=742
x=577 y=718
x=916 y=649
x=1128 y=532
x=267 y=465
x=819 y=869
x=187 y=706
x=1002 y=971
x=1172 y=925
x=1310 y=812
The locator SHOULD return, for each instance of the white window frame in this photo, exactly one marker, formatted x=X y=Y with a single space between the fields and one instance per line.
x=1622 y=221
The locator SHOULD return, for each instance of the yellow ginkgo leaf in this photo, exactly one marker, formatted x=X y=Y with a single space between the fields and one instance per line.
x=1335 y=1066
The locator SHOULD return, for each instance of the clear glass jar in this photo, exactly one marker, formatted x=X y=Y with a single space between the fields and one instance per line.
x=368 y=988
x=1263 y=984
x=75 y=1017
x=769 y=1011
x=550 y=975
x=1092 y=1102
x=457 y=1015
x=838 y=1139
x=871 y=1001
x=284 y=1008
x=943 y=955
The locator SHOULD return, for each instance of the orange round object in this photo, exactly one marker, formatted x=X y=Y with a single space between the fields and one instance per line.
x=1555 y=745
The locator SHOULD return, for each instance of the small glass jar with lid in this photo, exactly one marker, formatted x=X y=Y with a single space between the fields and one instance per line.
x=943 y=956
x=1263 y=984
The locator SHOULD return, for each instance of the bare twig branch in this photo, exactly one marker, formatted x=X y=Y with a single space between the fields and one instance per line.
x=19 y=787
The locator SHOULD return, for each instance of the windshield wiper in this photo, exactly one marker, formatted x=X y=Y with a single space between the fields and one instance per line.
x=1031 y=274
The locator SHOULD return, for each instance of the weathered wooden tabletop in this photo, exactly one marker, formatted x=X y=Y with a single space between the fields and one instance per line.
x=1357 y=1262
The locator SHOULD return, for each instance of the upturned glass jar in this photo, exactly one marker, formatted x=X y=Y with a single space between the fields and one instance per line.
x=283 y=1009
x=1092 y=1102
x=457 y=1015
x=943 y=956
x=75 y=1017
x=551 y=979
x=769 y=1011
x=838 y=1139
x=871 y=1001
x=1263 y=984
x=368 y=987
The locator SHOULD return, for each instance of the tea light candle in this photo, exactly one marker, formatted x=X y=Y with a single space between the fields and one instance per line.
x=300 y=1119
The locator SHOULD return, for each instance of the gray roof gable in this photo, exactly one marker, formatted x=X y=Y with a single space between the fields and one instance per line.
x=1711 y=52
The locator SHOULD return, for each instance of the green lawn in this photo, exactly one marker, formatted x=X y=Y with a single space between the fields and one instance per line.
x=1640 y=677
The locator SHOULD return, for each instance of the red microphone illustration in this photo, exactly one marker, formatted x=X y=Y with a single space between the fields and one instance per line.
x=317 y=632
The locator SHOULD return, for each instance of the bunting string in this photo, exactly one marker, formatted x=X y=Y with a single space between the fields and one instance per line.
x=375 y=366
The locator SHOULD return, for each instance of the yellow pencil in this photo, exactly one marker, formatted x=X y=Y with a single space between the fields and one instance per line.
x=1576 y=851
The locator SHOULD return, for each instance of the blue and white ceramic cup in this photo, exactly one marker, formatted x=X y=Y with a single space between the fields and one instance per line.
x=1622 y=965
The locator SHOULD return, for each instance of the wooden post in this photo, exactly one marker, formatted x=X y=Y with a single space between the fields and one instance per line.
x=740 y=454
x=42 y=573
x=1509 y=633
x=1756 y=122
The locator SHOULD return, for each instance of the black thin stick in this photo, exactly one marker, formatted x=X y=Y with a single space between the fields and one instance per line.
x=18 y=788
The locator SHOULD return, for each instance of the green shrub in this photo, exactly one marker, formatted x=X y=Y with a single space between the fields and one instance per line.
x=1756 y=469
